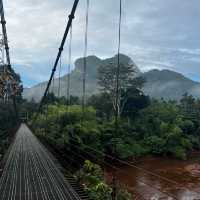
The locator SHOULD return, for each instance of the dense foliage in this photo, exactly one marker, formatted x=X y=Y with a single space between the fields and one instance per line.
x=144 y=126
x=157 y=127
x=9 y=113
x=161 y=128
x=119 y=92
x=92 y=178
x=8 y=120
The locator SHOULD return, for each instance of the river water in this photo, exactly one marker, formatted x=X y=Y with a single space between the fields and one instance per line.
x=163 y=178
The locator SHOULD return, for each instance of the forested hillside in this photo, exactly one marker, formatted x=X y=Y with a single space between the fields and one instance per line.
x=145 y=126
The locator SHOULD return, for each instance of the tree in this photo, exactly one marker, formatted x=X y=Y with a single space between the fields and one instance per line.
x=29 y=107
x=107 y=75
x=188 y=106
x=187 y=127
x=133 y=101
x=74 y=100
x=51 y=98
x=92 y=178
x=102 y=103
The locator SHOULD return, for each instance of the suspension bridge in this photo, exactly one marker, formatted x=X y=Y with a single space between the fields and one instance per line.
x=29 y=170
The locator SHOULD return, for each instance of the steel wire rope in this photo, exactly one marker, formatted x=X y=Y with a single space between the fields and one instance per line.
x=85 y=60
x=59 y=78
x=69 y=78
x=117 y=103
x=71 y=17
x=69 y=69
x=53 y=89
x=117 y=109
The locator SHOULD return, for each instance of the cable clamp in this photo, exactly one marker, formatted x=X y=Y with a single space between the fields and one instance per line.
x=61 y=49
x=3 y=21
x=71 y=16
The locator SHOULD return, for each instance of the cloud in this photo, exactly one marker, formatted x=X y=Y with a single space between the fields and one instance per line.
x=155 y=33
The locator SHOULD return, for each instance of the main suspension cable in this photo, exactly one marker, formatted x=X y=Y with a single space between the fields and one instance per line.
x=85 y=59
x=71 y=17
x=4 y=30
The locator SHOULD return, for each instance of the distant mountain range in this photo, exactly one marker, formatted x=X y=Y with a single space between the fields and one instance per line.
x=159 y=83
x=169 y=85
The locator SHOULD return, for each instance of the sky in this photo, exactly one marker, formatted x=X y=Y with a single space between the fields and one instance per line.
x=162 y=34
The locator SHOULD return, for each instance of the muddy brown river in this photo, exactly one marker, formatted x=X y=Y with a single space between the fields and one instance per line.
x=163 y=178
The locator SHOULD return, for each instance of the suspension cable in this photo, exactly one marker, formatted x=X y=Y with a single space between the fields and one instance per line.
x=59 y=78
x=3 y=22
x=85 y=59
x=69 y=69
x=52 y=85
x=117 y=103
x=71 y=17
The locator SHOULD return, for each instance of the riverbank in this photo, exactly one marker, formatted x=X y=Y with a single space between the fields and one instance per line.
x=162 y=177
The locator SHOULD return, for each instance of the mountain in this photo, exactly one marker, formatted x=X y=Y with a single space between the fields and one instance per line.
x=93 y=63
x=159 y=83
x=168 y=84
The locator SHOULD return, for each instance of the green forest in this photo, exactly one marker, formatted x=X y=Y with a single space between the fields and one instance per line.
x=161 y=128
x=144 y=126
x=128 y=129
x=8 y=123
x=9 y=119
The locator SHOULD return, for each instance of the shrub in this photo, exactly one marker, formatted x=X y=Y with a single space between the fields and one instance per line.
x=180 y=153
x=155 y=144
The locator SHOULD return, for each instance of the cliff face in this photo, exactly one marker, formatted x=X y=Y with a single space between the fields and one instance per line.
x=93 y=63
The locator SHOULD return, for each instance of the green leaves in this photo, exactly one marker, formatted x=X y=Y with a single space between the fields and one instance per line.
x=8 y=121
x=155 y=144
x=157 y=129
x=92 y=178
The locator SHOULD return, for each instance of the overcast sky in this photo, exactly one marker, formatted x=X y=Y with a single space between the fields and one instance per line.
x=163 y=34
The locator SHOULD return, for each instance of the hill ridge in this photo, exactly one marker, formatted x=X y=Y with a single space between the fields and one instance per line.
x=163 y=83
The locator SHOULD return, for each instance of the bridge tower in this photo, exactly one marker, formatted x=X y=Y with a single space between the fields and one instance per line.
x=9 y=85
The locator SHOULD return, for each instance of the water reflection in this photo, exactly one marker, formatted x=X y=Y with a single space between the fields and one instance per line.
x=181 y=179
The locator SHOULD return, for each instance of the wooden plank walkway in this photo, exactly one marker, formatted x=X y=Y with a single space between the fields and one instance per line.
x=31 y=174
